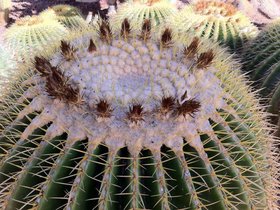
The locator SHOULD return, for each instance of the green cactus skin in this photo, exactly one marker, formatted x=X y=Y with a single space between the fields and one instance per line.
x=136 y=12
x=215 y=20
x=132 y=121
x=261 y=59
x=69 y=16
x=31 y=36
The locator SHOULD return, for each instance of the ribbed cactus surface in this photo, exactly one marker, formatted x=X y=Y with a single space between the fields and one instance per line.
x=215 y=20
x=130 y=121
x=7 y=64
x=136 y=12
x=71 y=17
x=262 y=60
x=30 y=36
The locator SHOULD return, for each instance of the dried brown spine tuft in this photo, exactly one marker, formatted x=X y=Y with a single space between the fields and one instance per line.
x=167 y=105
x=166 y=38
x=146 y=30
x=205 y=59
x=104 y=109
x=105 y=32
x=43 y=66
x=92 y=46
x=189 y=107
x=192 y=49
x=57 y=85
x=125 y=28
x=67 y=51
x=135 y=113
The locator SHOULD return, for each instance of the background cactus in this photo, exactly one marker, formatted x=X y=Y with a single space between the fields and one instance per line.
x=216 y=20
x=7 y=64
x=30 y=36
x=261 y=59
x=71 y=17
x=136 y=12
x=130 y=121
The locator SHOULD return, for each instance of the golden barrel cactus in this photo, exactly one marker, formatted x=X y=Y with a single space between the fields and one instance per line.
x=134 y=121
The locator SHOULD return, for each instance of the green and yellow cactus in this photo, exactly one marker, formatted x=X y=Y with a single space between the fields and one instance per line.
x=132 y=121
x=261 y=60
x=7 y=64
x=215 y=20
x=137 y=12
x=33 y=35
x=71 y=17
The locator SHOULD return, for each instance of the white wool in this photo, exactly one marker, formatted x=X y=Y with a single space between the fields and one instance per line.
x=124 y=74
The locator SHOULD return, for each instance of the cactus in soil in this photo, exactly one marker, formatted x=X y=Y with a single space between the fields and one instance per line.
x=136 y=12
x=134 y=121
x=261 y=59
x=32 y=35
x=216 y=20
x=71 y=17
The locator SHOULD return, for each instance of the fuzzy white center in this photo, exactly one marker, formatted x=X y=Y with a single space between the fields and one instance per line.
x=123 y=74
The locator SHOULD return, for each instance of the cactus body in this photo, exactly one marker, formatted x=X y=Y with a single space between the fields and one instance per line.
x=31 y=36
x=216 y=20
x=69 y=16
x=138 y=11
x=7 y=64
x=261 y=59
x=131 y=121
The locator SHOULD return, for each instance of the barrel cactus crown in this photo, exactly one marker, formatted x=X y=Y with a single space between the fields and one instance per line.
x=216 y=20
x=5 y=4
x=71 y=17
x=133 y=121
x=32 y=35
x=137 y=12
x=262 y=60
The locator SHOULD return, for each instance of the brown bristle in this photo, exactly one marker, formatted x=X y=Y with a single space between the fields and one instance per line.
x=184 y=96
x=105 y=32
x=67 y=51
x=92 y=47
x=146 y=30
x=125 y=28
x=103 y=109
x=192 y=49
x=166 y=38
x=58 y=87
x=189 y=107
x=167 y=104
x=205 y=59
x=43 y=66
x=135 y=113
